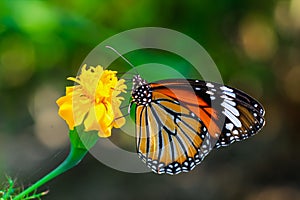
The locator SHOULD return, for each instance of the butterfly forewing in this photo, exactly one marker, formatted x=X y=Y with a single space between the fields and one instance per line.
x=238 y=115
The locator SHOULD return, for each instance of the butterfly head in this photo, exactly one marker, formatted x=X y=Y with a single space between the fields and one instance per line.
x=141 y=91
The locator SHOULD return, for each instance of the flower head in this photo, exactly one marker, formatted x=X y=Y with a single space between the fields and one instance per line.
x=94 y=101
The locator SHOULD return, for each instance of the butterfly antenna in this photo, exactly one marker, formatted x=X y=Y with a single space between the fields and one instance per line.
x=109 y=47
x=123 y=116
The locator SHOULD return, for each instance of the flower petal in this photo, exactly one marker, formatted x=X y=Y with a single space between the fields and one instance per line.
x=90 y=123
x=105 y=119
x=65 y=111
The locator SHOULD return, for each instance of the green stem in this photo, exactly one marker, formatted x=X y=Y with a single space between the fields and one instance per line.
x=74 y=157
x=10 y=190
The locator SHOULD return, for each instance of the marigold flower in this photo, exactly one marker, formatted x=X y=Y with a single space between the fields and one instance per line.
x=94 y=101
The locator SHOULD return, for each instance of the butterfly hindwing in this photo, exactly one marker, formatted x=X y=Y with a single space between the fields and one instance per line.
x=173 y=138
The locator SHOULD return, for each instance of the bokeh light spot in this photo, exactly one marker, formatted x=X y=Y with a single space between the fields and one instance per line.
x=49 y=128
x=295 y=12
x=275 y=193
x=17 y=59
x=287 y=17
x=34 y=16
x=281 y=15
x=257 y=38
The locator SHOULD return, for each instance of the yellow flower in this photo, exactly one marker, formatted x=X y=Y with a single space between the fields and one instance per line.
x=94 y=101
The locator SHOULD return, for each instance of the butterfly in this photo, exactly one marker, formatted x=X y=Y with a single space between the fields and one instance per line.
x=178 y=121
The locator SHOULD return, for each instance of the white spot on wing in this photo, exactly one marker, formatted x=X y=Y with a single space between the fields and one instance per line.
x=229 y=94
x=232 y=118
x=210 y=85
x=226 y=89
x=229 y=126
x=209 y=92
x=229 y=107
x=235 y=132
x=230 y=102
x=226 y=97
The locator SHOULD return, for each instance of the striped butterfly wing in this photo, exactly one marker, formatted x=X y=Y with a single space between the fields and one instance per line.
x=178 y=121
x=235 y=115
x=244 y=116
x=169 y=136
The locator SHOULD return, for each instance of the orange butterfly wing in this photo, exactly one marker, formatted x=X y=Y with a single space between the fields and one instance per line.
x=167 y=142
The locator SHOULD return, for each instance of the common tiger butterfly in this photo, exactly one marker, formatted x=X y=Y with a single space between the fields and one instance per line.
x=179 y=121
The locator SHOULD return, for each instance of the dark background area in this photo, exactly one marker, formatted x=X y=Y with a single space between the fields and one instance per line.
x=255 y=44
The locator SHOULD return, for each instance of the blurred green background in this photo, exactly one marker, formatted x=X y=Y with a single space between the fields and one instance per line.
x=255 y=44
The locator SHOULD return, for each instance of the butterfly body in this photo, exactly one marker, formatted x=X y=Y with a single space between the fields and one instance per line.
x=179 y=121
